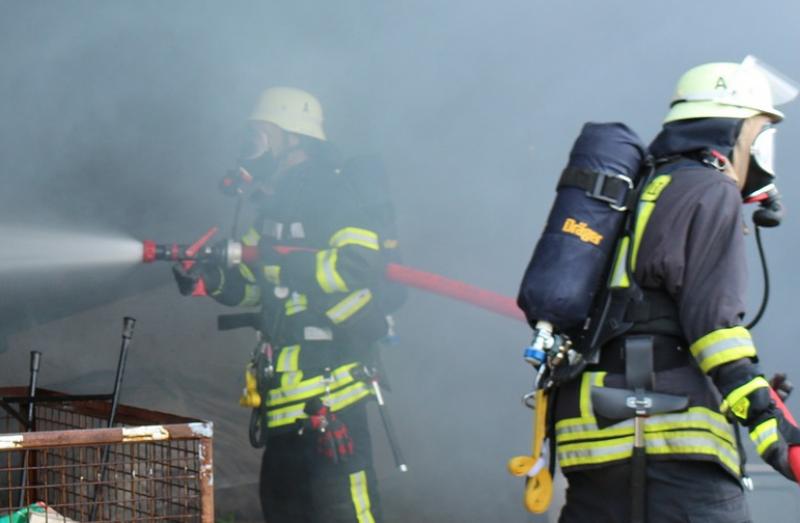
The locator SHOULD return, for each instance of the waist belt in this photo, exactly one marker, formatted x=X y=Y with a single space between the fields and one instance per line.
x=669 y=352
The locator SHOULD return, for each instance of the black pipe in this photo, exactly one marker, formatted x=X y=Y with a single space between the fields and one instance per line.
x=30 y=420
x=127 y=333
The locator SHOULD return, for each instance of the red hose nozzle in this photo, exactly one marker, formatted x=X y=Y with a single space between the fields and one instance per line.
x=148 y=251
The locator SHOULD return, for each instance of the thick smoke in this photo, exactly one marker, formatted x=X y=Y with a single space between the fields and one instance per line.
x=121 y=117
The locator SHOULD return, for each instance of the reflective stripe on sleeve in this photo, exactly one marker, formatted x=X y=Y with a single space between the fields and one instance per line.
x=346 y=308
x=360 y=496
x=355 y=236
x=737 y=401
x=328 y=277
x=247 y=273
x=296 y=303
x=722 y=346
x=251 y=237
x=252 y=296
x=764 y=435
x=288 y=359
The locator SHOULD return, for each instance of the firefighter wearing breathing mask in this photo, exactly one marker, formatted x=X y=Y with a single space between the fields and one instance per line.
x=321 y=313
x=715 y=151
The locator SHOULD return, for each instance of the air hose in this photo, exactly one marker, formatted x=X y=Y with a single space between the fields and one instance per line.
x=765 y=271
x=539 y=482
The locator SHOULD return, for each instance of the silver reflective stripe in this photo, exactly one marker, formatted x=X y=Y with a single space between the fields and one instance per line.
x=297 y=231
x=339 y=378
x=347 y=396
x=349 y=306
x=722 y=346
x=765 y=437
x=285 y=416
x=273 y=229
x=662 y=443
x=288 y=359
x=693 y=442
x=312 y=333
x=692 y=419
x=328 y=267
x=352 y=235
x=360 y=496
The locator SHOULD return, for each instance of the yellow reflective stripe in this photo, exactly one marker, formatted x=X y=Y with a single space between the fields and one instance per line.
x=296 y=303
x=765 y=435
x=221 y=286
x=328 y=277
x=589 y=380
x=360 y=497
x=647 y=205
x=619 y=276
x=653 y=190
x=737 y=400
x=291 y=378
x=288 y=359
x=252 y=296
x=699 y=418
x=251 y=237
x=353 y=303
x=642 y=218
x=343 y=398
x=272 y=273
x=693 y=442
x=246 y=273
x=355 y=236
x=311 y=387
x=285 y=415
x=573 y=429
x=722 y=346
x=659 y=443
x=348 y=396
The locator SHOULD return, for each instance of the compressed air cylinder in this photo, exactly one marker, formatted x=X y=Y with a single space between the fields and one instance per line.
x=573 y=254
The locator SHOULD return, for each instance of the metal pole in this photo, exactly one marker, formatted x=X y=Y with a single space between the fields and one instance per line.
x=36 y=358
x=127 y=333
x=389 y=428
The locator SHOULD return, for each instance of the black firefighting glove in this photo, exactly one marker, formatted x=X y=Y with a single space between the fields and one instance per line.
x=772 y=437
x=747 y=400
x=187 y=279
x=333 y=438
x=782 y=386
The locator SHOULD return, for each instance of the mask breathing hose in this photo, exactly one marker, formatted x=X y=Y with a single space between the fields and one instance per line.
x=765 y=271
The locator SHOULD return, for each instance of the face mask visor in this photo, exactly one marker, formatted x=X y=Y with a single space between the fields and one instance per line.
x=761 y=171
x=255 y=143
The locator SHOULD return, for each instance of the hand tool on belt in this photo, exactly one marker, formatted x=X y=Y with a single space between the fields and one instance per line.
x=637 y=402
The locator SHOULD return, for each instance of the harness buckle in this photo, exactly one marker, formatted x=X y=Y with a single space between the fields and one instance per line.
x=600 y=182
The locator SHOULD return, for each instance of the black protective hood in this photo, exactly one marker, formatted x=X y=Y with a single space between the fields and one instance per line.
x=692 y=137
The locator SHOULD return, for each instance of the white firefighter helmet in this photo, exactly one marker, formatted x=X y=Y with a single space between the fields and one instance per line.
x=291 y=109
x=731 y=90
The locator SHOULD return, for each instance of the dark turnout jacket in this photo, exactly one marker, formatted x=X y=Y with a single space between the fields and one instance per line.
x=687 y=245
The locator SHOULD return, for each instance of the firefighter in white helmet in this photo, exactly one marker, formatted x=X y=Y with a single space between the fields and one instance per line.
x=714 y=152
x=322 y=310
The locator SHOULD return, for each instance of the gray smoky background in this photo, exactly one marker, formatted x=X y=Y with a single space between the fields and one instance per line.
x=117 y=119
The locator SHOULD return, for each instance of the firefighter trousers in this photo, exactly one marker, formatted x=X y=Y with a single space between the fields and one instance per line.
x=677 y=492
x=300 y=485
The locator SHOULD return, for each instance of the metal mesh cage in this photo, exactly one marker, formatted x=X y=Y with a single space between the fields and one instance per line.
x=151 y=466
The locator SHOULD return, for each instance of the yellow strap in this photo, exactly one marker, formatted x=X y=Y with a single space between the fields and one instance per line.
x=539 y=487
